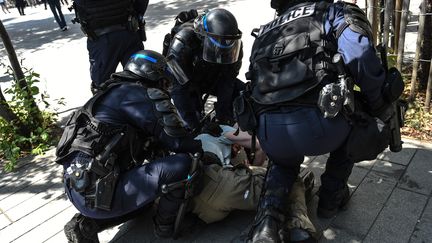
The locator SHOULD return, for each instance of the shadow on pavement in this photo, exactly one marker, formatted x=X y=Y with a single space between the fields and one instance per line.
x=34 y=34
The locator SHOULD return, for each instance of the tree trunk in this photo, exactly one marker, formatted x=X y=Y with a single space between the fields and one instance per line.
x=426 y=49
x=398 y=8
x=428 y=90
x=387 y=17
x=417 y=54
x=5 y=111
x=372 y=17
x=402 y=32
x=7 y=114
x=18 y=73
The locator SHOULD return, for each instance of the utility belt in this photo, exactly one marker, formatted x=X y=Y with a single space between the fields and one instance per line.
x=133 y=24
x=105 y=30
x=247 y=110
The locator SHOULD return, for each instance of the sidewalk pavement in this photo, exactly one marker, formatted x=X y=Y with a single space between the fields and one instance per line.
x=390 y=195
x=390 y=202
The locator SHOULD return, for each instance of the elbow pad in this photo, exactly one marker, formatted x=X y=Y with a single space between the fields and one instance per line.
x=167 y=113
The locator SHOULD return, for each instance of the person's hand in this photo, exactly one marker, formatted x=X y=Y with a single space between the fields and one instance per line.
x=260 y=158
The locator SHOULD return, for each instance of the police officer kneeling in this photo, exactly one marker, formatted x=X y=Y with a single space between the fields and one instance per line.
x=105 y=143
x=206 y=51
x=299 y=89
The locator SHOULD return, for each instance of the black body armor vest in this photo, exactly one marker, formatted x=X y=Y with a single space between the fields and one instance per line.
x=95 y=14
x=290 y=56
x=84 y=133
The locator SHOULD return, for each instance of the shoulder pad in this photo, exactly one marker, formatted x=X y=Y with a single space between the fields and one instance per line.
x=356 y=20
x=185 y=38
x=157 y=94
x=172 y=125
x=186 y=33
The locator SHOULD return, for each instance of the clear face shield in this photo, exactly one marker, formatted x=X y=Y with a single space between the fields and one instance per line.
x=221 y=49
x=177 y=71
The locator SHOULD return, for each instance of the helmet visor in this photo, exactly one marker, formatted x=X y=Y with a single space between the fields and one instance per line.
x=177 y=71
x=221 y=50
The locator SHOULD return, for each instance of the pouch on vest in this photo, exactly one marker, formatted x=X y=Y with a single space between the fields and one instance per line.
x=368 y=137
x=68 y=136
x=280 y=66
x=244 y=111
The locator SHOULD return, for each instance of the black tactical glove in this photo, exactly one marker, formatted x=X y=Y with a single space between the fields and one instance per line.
x=185 y=16
x=212 y=128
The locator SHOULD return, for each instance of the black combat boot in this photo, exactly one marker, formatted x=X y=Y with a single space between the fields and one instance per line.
x=267 y=225
x=81 y=229
x=330 y=202
x=163 y=228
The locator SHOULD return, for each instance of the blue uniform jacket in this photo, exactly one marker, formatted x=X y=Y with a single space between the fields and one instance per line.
x=359 y=55
x=129 y=104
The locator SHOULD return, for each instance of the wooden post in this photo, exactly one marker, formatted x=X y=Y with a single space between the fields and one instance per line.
x=371 y=15
x=387 y=13
x=422 y=18
x=429 y=90
x=397 y=14
x=402 y=32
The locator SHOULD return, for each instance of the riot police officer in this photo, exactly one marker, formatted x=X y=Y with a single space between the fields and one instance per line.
x=115 y=30
x=206 y=52
x=291 y=67
x=105 y=143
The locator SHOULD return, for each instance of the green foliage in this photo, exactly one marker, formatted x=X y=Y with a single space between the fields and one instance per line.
x=12 y=144
x=418 y=122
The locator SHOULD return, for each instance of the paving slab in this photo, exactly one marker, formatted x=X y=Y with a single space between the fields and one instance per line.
x=418 y=176
x=333 y=234
x=403 y=157
x=228 y=230
x=59 y=237
x=36 y=202
x=423 y=230
x=389 y=170
x=20 y=181
x=4 y=221
x=397 y=220
x=365 y=205
x=29 y=192
x=366 y=164
x=49 y=227
x=21 y=227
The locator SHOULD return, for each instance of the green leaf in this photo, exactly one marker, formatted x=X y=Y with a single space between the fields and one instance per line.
x=34 y=90
x=16 y=150
x=44 y=136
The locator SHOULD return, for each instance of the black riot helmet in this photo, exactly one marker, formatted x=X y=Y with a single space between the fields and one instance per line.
x=148 y=67
x=221 y=36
